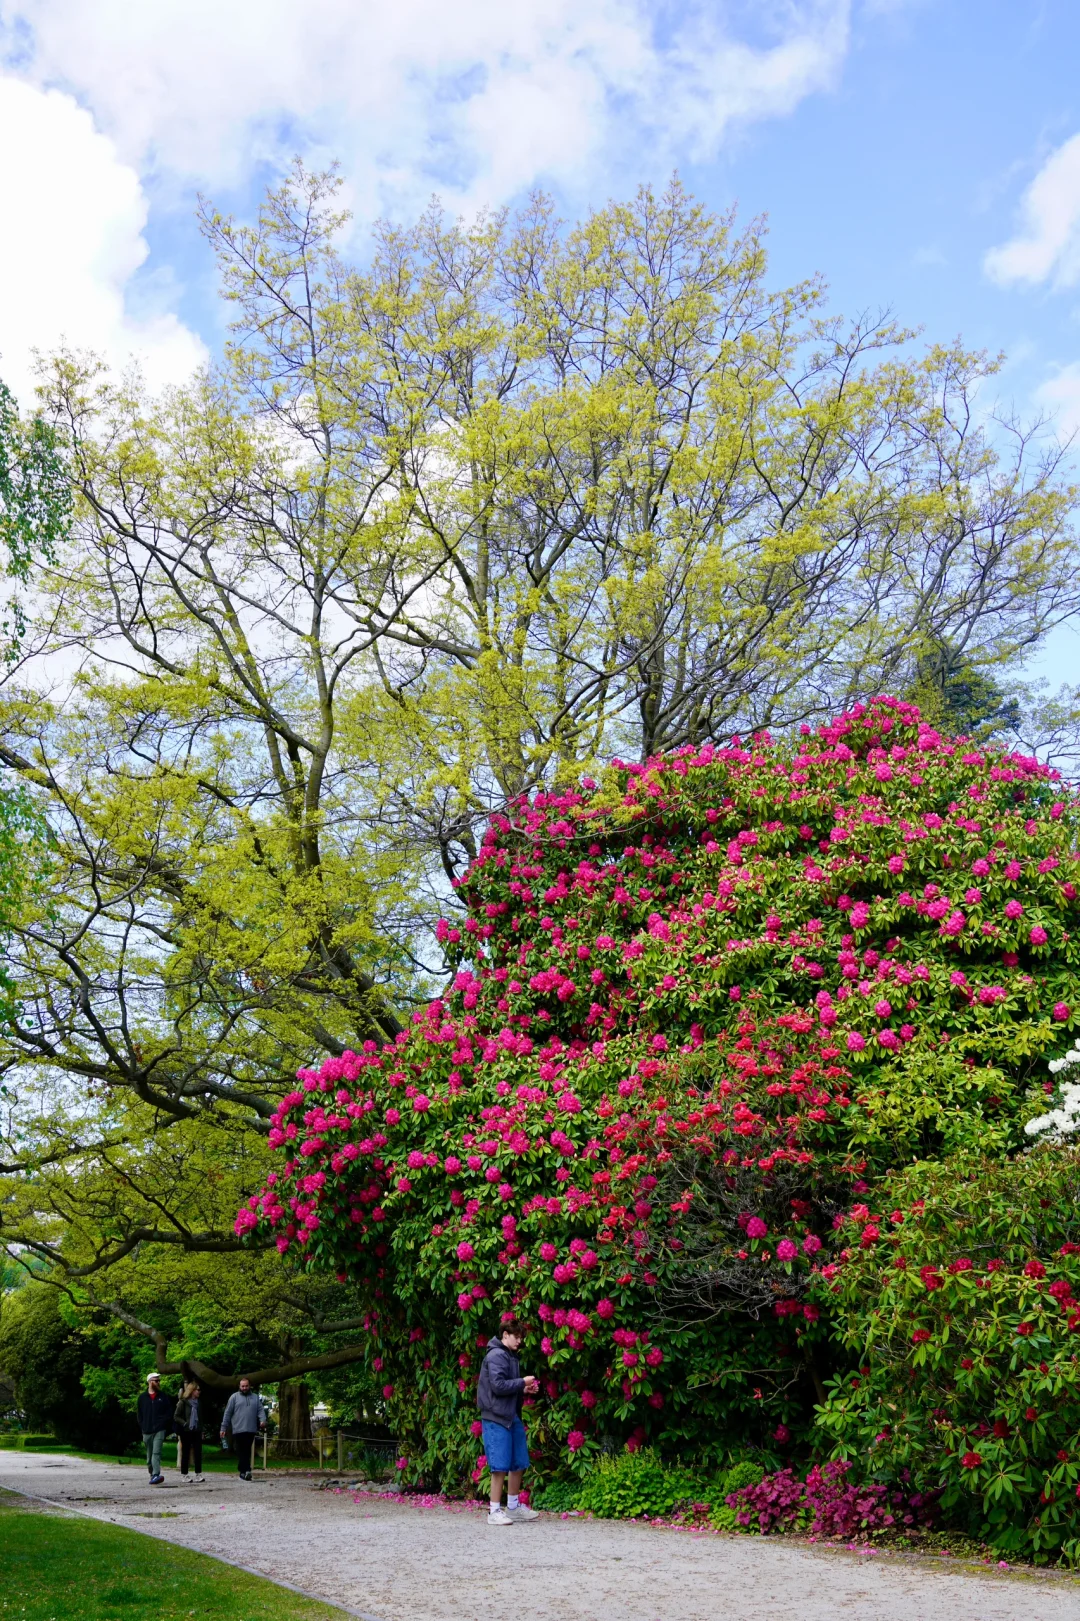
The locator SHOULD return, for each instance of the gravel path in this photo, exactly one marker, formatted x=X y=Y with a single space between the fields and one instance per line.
x=389 y=1561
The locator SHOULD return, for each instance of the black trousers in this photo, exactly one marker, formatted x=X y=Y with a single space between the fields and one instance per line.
x=243 y=1445
x=190 y=1450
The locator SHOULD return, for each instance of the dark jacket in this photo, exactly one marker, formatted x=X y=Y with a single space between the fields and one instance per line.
x=182 y=1413
x=501 y=1389
x=155 y=1413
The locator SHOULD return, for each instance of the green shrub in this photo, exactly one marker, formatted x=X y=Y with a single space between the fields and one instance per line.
x=962 y=1297
x=634 y=1484
x=559 y=1497
x=739 y=1476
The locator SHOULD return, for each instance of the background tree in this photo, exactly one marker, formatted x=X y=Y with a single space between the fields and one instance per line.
x=35 y=512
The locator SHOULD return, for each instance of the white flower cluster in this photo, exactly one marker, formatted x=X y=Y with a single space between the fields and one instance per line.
x=1065 y=1119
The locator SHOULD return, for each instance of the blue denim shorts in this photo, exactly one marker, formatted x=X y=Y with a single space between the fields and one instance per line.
x=505 y=1449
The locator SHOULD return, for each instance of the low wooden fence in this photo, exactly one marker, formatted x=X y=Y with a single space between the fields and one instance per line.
x=334 y=1449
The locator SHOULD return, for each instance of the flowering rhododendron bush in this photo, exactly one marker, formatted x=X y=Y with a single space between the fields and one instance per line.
x=699 y=1011
x=965 y=1316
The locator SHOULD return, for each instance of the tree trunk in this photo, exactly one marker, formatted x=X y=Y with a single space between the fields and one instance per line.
x=294 y=1419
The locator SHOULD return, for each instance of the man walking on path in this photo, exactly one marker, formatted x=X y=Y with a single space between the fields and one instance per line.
x=244 y=1416
x=499 y=1396
x=155 y=1418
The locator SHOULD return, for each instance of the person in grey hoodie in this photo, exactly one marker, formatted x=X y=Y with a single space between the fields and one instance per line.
x=244 y=1417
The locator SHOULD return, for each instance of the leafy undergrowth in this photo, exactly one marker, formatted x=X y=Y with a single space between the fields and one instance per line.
x=53 y=1567
x=825 y=1506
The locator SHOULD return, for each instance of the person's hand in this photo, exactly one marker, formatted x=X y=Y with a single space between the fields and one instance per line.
x=532 y=1384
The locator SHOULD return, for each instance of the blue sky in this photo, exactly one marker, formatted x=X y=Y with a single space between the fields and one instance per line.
x=920 y=154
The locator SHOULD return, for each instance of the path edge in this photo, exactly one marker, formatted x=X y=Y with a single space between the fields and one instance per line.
x=234 y=1564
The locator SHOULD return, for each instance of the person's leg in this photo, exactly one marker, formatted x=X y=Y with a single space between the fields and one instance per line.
x=195 y=1441
x=148 y=1445
x=159 y=1438
x=497 y=1452
x=243 y=1445
x=184 y=1448
x=519 y=1462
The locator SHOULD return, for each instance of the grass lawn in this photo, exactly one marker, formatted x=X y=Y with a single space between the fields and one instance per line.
x=59 y=1568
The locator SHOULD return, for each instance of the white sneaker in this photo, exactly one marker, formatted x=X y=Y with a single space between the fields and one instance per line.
x=521 y=1513
x=499 y=1516
x=199 y=1479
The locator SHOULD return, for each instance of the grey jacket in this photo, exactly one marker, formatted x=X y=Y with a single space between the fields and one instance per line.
x=244 y=1414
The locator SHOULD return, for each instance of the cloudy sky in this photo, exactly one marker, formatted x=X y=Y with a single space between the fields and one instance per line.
x=920 y=154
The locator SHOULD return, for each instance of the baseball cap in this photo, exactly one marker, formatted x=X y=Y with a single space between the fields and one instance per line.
x=153 y=1378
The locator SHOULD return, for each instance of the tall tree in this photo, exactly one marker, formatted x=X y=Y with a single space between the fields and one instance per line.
x=438 y=530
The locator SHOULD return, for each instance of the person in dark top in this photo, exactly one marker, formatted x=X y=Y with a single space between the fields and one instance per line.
x=155 y=1421
x=499 y=1396
x=187 y=1421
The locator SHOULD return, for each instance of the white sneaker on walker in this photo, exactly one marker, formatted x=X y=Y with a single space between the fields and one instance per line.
x=522 y=1513
x=499 y=1516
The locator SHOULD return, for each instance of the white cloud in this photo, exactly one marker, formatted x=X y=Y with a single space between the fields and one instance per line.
x=106 y=104
x=477 y=97
x=1047 y=246
x=1060 y=395
x=73 y=217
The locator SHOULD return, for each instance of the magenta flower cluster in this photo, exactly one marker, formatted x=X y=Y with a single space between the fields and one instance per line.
x=828 y=1504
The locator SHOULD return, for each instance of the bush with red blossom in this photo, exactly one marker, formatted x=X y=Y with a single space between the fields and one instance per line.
x=965 y=1315
x=697 y=1013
